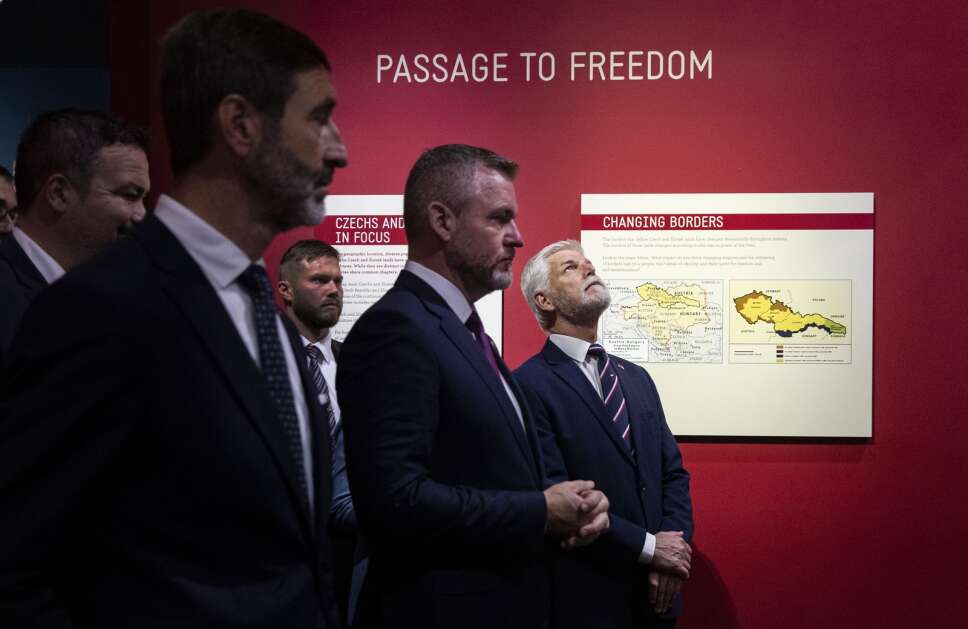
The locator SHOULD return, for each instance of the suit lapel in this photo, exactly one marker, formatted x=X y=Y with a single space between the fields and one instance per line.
x=461 y=337
x=564 y=367
x=185 y=284
x=27 y=274
x=635 y=405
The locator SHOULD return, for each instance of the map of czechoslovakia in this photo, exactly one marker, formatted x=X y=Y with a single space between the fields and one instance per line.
x=666 y=311
x=757 y=306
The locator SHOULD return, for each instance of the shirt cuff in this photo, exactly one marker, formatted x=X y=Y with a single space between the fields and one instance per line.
x=648 y=549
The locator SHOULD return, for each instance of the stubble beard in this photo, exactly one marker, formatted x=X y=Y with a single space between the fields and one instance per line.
x=587 y=310
x=285 y=186
x=314 y=316
x=477 y=276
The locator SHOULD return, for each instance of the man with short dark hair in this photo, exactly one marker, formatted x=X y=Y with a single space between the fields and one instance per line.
x=443 y=459
x=311 y=287
x=163 y=450
x=599 y=417
x=82 y=177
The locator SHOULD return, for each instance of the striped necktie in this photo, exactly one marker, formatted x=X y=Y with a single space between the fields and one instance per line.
x=315 y=357
x=612 y=396
x=272 y=362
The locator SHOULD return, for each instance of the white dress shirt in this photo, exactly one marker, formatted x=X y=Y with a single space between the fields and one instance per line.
x=577 y=350
x=328 y=369
x=49 y=268
x=222 y=262
x=461 y=307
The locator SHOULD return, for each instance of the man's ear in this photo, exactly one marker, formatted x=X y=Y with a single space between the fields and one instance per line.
x=544 y=304
x=59 y=193
x=285 y=291
x=239 y=124
x=441 y=220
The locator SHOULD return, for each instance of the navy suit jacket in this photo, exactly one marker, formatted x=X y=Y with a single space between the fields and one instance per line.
x=145 y=480
x=603 y=585
x=20 y=281
x=446 y=482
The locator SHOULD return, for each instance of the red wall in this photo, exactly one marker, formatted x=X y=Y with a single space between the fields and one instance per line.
x=804 y=98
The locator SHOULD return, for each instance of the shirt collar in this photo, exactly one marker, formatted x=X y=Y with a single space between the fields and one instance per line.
x=443 y=287
x=49 y=268
x=325 y=345
x=575 y=348
x=219 y=258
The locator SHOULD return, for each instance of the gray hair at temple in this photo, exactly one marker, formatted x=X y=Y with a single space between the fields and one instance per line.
x=447 y=174
x=535 y=278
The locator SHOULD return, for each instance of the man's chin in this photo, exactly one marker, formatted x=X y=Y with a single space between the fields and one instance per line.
x=500 y=280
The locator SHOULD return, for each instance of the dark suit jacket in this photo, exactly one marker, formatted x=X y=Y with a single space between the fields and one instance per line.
x=603 y=585
x=20 y=281
x=140 y=451
x=446 y=482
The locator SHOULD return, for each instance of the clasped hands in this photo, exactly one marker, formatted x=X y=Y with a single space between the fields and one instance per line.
x=577 y=513
x=671 y=562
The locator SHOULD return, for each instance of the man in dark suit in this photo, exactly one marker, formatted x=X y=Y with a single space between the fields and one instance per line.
x=311 y=288
x=159 y=462
x=442 y=454
x=81 y=181
x=599 y=417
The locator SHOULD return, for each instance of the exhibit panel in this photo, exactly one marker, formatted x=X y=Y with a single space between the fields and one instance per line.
x=762 y=302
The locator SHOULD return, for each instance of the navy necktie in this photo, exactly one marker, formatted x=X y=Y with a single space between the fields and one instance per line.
x=612 y=396
x=475 y=325
x=255 y=282
x=315 y=356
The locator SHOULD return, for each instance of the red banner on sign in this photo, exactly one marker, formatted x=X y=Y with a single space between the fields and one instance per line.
x=669 y=222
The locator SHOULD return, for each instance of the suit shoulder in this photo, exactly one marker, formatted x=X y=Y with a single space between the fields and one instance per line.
x=531 y=369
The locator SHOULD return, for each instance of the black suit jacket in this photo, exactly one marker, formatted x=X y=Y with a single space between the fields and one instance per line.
x=20 y=281
x=445 y=480
x=604 y=585
x=140 y=453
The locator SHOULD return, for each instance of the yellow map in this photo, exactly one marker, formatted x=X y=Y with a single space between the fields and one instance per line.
x=666 y=311
x=757 y=306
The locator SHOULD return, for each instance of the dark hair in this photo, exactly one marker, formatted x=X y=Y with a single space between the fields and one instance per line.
x=210 y=54
x=305 y=250
x=5 y=175
x=445 y=174
x=67 y=141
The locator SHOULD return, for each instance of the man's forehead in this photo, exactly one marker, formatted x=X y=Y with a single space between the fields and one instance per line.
x=322 y=262
x=565 y=256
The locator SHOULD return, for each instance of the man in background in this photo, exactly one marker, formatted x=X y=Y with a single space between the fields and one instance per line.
x=8 y=202
x=311 y=287
x=82 y=177
x=599 y=417
x=443 y=457
x=159 y=439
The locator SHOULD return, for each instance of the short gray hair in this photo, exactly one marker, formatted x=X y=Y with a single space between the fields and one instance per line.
x=535 y=276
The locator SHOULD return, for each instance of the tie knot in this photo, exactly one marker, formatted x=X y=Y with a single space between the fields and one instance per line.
x=475 y=325
x=595 y=350
x=255 y=282
x=314 y=352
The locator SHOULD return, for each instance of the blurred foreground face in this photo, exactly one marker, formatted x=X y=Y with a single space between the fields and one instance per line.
x=299 y=154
